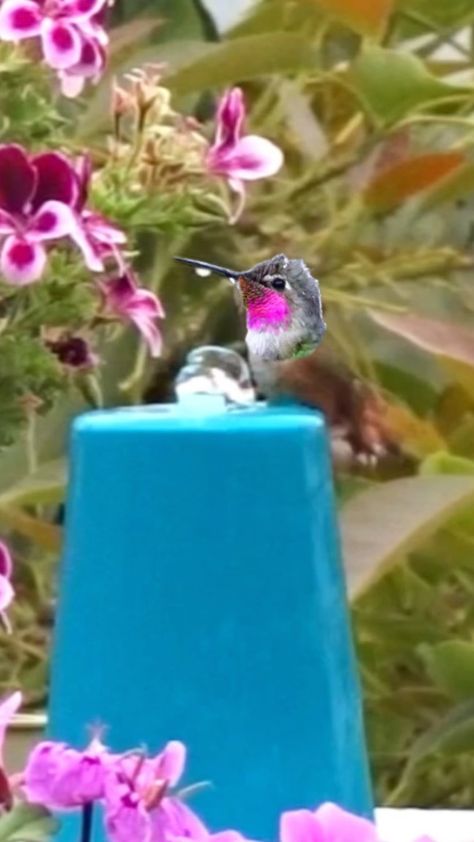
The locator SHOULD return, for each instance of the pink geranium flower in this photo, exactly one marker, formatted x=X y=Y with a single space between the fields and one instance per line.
x=35 y=197
x=240 y=158
x=125 y=299
x=94 y=234
x=137 y=807
x=329 y=823
x=60 y=777
x=6 y=590
x=8 y=709
x=70 y=31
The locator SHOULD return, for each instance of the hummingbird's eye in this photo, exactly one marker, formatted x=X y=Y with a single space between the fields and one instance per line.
x=278 y=283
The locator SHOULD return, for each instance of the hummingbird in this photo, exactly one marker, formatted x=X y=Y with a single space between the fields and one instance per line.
x=285 y=327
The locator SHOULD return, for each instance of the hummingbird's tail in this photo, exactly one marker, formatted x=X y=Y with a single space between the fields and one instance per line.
x=211 y=267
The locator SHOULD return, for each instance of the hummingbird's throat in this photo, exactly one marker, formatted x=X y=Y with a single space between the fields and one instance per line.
x=266 y=309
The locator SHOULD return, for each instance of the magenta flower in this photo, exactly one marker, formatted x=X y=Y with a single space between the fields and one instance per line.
x=35 y=197
x=125 y=299
x=6 y=590
x=238 y=158
x=137 y=807
x=94 y=234
x=59 y=777
x=70 y=31
x=329 y=823
x=8 y=709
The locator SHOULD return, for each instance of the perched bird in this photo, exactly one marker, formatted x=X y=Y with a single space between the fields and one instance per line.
x=285 y=325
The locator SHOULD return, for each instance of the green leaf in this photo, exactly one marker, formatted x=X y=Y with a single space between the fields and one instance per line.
x=244 y=58
x=392 y=85
x=450 y=665
x=27 y=823
x=445 y=463
x=381 y=525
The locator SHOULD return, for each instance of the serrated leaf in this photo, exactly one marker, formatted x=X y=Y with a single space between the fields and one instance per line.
x=382 y=525
x=450 y=665
x=367 y=17
x=27 y=823
x=407 y=178
x=244 y=58
x=392 y=85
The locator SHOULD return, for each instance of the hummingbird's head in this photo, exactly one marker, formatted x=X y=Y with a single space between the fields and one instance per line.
x=282 y=302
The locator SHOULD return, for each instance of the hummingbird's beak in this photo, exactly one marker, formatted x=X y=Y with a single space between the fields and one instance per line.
x=210 y=267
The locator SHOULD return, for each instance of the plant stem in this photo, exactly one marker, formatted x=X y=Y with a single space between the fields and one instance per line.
x=86 y=822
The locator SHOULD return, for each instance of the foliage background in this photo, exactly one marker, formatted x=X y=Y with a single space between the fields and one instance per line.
x=373 y=104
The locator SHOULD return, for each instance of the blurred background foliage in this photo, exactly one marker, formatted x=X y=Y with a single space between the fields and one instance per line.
x=372 y=102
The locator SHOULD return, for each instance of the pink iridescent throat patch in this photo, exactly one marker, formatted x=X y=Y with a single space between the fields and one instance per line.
x=265 y=307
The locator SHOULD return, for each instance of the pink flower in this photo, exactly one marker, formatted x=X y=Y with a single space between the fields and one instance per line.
x=6 y=590
x=8 y=709
x=59 y=777
x=94 y=235
x=70 y=31
x=125 y=299
x=238 y=158
x=329 y=823
x=137 y=808
x=35 y=197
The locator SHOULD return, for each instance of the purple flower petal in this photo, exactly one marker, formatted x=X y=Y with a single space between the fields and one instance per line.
x=126 y=819
x=230 y=116
x=302 y=826
x=8 y=709
x=90 y=251
x=6 y=593
x=21 y=262
x=150 y=333
x=6 y=564
x=102 y=230
x=19 y=19
x=7 y=223
x=51 y=222
x=78 y=10
x=83 y=168
x=169 y=765
x=172 y=819
x=57 y=179
x=341 y=826
x=61 y=44
x=71 y=85
x=17 y=178
x=253 y=157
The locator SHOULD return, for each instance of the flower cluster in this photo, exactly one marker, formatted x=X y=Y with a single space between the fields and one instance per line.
x=174 y=150
x=137 y=792
x=138 y=798
x=44 y=201
x=71 y=34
